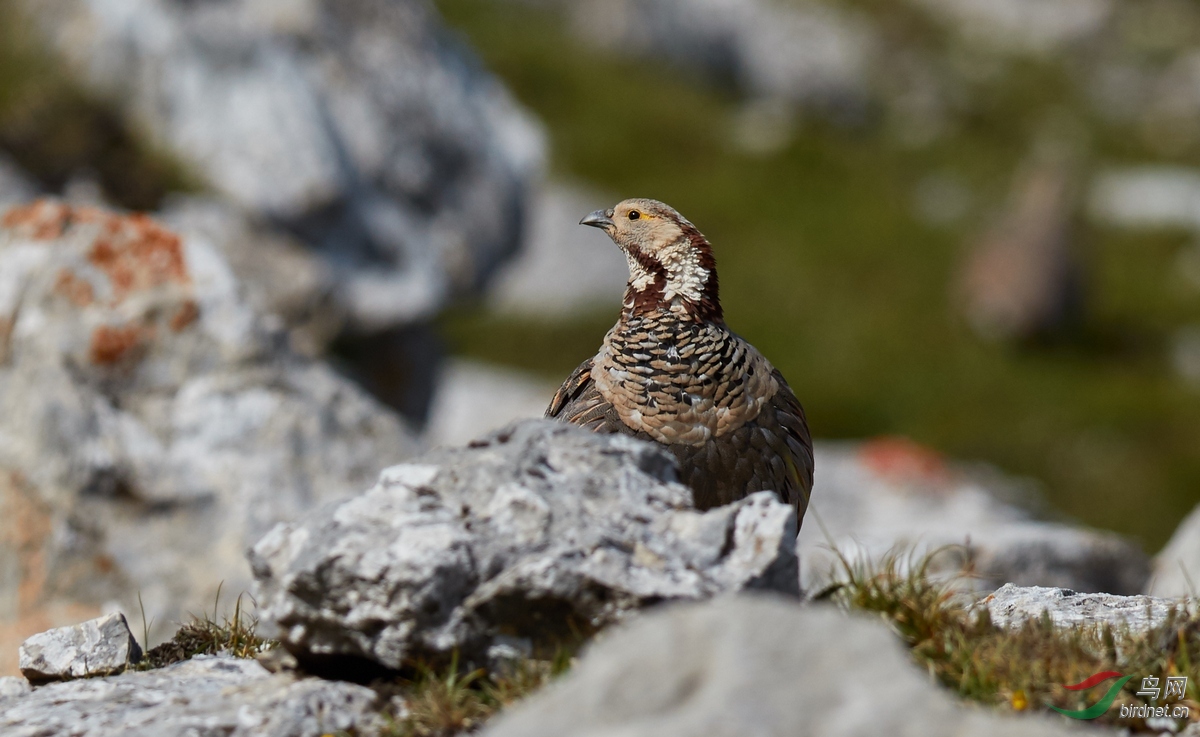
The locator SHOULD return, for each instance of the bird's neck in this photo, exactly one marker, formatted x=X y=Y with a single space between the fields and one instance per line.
x=679 y=281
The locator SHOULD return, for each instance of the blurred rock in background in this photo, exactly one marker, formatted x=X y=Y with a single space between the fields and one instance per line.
x=361 y=129
x=152 y=424
x=358 y=125
x=285 y=282
x=1022 y=278
x=1177 y=567
x=1023 y=26
x=1148 y=197
x=475 y=398
x=15 y=186
x=809 y=55
x=562 y=268
x=891 y=497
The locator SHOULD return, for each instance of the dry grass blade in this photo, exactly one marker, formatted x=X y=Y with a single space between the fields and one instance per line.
x=451 y=702
x=208 y=635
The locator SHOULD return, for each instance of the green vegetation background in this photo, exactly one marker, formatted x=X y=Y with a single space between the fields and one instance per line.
x=826 y=269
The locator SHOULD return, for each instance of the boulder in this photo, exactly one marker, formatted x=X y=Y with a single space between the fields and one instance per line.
x=563 y=268
x=283 y=281
x=97 y=647
x=541 y=532
x=1024 y=26
x=806 y=54
x=204 y=696
x=1010 y=606
x=893 y=496
x=476 y=398
x=11 y=686
x=152 y=425
x=751 y=666
x=15 y=185
x=360 y=126
x=1154 y=197
x=1177 y=566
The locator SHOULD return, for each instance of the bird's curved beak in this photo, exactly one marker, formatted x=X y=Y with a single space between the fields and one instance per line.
x=601 y=219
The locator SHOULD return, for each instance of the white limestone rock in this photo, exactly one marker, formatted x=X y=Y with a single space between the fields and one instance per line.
x=101 y=646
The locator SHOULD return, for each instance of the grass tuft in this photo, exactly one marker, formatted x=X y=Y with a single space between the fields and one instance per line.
x=209 y=635
x=1026 y=668
x=452 y=701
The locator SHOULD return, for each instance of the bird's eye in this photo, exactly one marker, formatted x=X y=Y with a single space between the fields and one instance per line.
x=634 y=214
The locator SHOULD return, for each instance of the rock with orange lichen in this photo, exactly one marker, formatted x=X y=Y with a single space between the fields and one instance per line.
x=359 y=126
x=154 y=419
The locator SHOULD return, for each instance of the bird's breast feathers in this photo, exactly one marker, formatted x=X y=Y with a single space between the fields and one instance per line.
x=682 y=383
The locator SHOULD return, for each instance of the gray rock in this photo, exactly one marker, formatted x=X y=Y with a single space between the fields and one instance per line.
x=476 y=398
x=808 y=54
x=563 y=267
x=15 y=186
x=152 y=426
x=359 y=125
x=283 y=279
x=204 y=696
x=11 y=686
x=891 y=496
x=527 y=532
x=1177 y=566
x=1010 y=606
x=1029 y=26
x=1148 y=197
x=747 y=667
x=98 y=647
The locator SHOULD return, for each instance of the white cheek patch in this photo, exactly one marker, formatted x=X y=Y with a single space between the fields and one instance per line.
x=639 y=277
x=685 y=276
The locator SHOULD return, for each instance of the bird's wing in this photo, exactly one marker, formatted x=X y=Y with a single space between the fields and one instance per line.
x=579 y=402
x=799 y=458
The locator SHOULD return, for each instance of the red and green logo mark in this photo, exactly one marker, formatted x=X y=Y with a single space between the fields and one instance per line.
x=1100 y=706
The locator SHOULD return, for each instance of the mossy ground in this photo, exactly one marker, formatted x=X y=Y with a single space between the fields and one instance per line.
x=1025 y=669
x=826 y=268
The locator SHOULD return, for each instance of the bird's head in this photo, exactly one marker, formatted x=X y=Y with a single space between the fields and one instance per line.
x=671 y=264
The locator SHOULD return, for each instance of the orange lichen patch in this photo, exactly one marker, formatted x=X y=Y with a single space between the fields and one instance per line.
x=184 y=316
x=111 y=344
x=42 y=220
x=79 y=291
x=901 y=459
x=137 y=253
x=132 y=250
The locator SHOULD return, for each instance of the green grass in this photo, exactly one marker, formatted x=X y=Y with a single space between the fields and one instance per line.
x=1026 y=668
x=826 y=269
